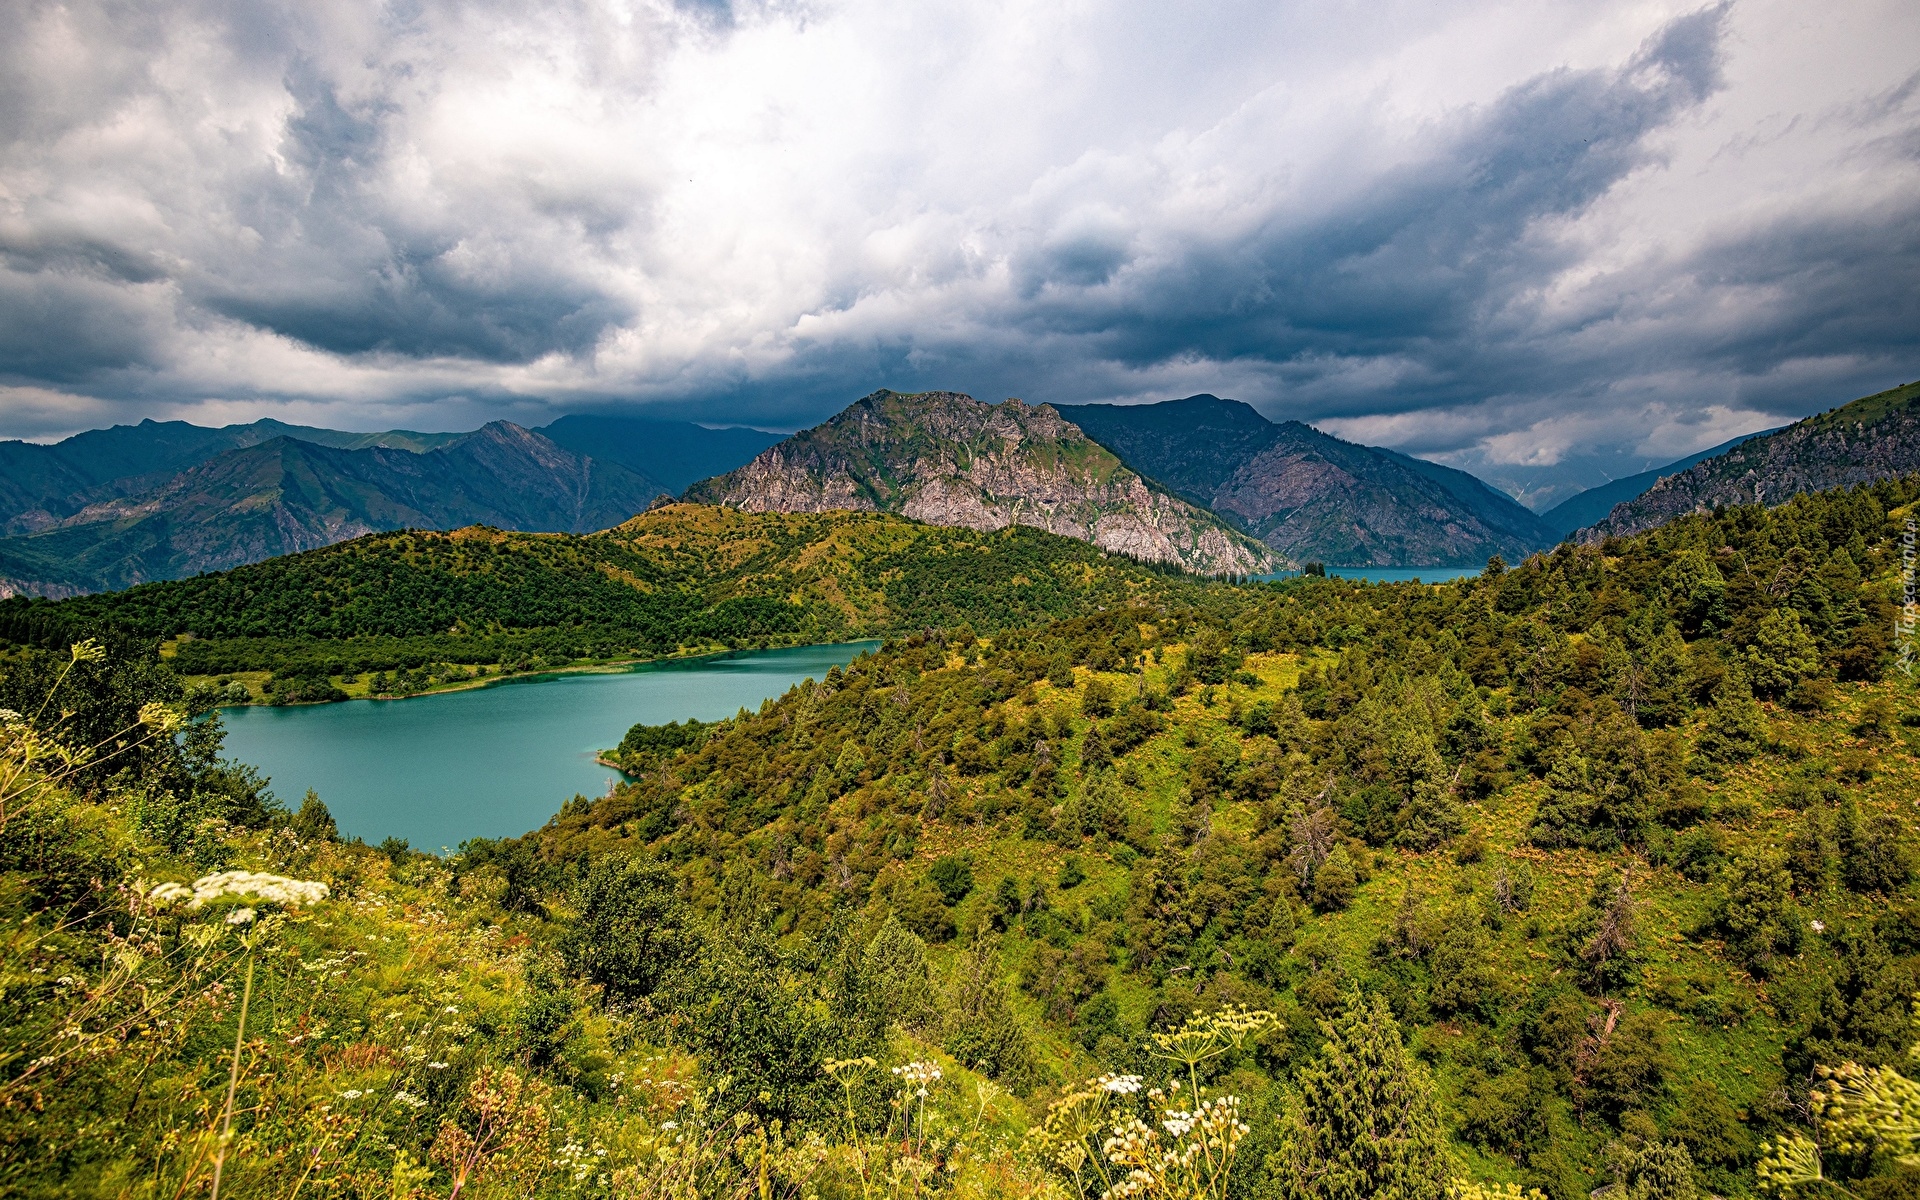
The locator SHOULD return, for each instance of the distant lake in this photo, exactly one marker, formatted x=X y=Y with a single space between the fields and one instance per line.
x=1390 y=574
x=499 y=760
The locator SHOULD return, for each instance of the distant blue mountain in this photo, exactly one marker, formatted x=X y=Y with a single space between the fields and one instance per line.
x=1309 y=495
x=673 y=454
x=112 y=507
x=1592 y=506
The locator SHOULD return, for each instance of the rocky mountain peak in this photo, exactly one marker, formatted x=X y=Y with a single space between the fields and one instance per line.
x=948 y=459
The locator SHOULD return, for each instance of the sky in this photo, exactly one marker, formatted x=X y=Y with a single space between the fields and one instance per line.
x=1550 y=243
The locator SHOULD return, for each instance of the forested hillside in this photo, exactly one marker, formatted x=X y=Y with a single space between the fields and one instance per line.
x=1595 y=871
x=679 y=577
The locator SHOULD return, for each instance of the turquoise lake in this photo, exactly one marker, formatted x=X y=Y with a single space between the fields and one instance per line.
x=499 y=760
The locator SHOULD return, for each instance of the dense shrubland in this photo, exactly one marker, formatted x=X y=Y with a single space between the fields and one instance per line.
x=1594 y=871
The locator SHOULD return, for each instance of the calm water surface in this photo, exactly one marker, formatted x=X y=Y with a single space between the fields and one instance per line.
x=499 y=760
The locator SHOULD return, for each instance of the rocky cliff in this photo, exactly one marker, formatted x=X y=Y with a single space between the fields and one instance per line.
x=1876 y=437
x=948 y=459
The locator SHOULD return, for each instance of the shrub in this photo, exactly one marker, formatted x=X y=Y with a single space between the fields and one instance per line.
x=632 y=928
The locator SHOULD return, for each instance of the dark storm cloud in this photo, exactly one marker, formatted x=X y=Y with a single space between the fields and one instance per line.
x=388 y=211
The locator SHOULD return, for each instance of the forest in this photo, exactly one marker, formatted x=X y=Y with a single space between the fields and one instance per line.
x=421 y=608
x=1594 y=871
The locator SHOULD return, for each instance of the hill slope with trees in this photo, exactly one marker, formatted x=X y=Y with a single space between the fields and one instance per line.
x=679 y=577
x=1567 y=876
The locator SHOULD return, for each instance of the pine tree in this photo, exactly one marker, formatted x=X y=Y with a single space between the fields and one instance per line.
x=1334 y=881
x=1365 y=1126
x=1735 y=729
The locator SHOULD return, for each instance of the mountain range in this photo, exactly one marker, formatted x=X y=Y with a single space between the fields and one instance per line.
x=1875 y=437
x=948 y=459
x=1202 y=482
x=1309 y=495
x=285 y=495
x=1592 y=506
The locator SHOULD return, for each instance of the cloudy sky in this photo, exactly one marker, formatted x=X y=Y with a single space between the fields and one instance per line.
x=1545 y=241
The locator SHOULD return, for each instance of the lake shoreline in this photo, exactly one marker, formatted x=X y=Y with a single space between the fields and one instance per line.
x=614 y=667
x=498 y=761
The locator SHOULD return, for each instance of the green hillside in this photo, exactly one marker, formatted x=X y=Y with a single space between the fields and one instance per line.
x=682 y=577
x=1566 y=876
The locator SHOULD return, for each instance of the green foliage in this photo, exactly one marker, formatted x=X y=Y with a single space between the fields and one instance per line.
x=1365 y=1126
x=631 y=932
x=680 y=576
x=1755 y=910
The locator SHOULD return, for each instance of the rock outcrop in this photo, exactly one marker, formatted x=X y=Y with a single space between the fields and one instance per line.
x=948 y=459
x=1876 y=437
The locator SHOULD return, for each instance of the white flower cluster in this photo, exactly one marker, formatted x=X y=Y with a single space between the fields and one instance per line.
x=1119 y=1085
x=270 y=889
x=10 y=718
x=918 y=1075
x=918 y=1072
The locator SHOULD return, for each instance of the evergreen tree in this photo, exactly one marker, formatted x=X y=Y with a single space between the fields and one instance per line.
x=1873 y=851
x=1755 y=910
x=1782 y=654
x=1566 y=810
x=1736 y=729
x=982 y=1031
x=1651 y=1171
x=1334 y=881
x=1365 y=1126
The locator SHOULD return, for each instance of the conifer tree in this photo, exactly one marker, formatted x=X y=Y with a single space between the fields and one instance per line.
x=1365 y=1126
x=1735 y=729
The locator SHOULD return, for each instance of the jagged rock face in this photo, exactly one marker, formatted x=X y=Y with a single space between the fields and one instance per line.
x=948 y=459
x=1877 y=437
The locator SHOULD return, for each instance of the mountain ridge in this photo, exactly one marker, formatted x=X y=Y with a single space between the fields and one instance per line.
x=1591 y=506
x=286 y=495
x=1875 y=437
x=1310 y=495
x=949 y=459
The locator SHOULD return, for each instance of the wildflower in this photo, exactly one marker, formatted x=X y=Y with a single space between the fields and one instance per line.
x=241 y=916
x=1819 y=927
x=1120 y=1085
x=273 y=889
x=450 y=1009
x=921 y=1073
x=162 y=718
x=352 y=1094
x=409 y=1099
x=436 y=1066
x=170 y=893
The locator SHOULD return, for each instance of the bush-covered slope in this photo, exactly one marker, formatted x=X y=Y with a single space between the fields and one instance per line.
x=1567 y=876
x=681 y=576
x=1622 y=834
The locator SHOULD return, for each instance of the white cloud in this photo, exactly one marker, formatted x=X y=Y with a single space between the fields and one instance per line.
x=1452 y=227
